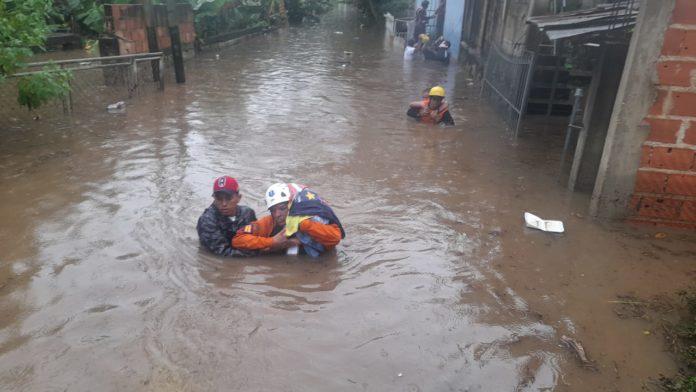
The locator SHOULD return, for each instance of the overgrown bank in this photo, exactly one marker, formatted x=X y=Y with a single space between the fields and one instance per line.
x=26 y=24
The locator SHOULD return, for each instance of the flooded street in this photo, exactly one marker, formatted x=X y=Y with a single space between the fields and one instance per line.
x=437 y=286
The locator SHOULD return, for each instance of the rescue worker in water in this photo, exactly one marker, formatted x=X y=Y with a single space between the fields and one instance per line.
x=315 y=233
x=433 y=109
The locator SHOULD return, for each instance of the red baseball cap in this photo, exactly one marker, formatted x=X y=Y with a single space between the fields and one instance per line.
x=225 y=184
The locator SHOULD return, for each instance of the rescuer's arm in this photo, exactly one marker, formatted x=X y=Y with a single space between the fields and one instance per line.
x=254 y=236
x=328 y=235
x=257 y=236
x=447 y=119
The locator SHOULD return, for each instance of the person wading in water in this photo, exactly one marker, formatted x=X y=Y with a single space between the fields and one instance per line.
x=295 y=211
x=220 y=222
x=433 y=109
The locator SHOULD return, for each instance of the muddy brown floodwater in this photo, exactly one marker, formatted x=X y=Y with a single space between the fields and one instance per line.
x=437 y=287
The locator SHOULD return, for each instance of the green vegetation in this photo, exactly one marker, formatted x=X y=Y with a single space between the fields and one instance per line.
x=86 y=16
x=375 y=9
x=223 y=16
x=23 y=26
x=212 y=17
x=40 y=88
x=309 y=10
x=216 y=17
x=683 y=338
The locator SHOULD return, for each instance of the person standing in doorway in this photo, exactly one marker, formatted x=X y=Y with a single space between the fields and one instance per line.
x=421 y=21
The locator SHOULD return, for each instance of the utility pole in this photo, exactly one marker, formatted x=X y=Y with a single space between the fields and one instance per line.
x=177 y=55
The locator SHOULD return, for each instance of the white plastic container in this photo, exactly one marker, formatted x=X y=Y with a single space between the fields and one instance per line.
x=551 y=226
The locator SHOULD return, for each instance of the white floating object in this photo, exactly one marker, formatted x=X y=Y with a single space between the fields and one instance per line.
x=120 y=105
x=293 y=251
x=338 y=32
x=551 y=226
x=217 y=56
x=399 y=375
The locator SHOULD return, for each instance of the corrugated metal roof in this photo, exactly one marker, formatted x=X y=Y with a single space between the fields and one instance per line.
x=567 y=33
x=604 y=17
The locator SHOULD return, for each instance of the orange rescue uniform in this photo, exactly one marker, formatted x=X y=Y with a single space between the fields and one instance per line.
x=259 y=234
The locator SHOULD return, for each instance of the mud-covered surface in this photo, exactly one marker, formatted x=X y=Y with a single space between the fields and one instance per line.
x=437 y=287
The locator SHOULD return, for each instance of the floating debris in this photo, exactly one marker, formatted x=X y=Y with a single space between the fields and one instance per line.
x=550 y=226
x=579 y=351
x=117 y=107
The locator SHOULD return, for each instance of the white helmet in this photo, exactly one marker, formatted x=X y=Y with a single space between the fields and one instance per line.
x=281 y=193
x=277 y=193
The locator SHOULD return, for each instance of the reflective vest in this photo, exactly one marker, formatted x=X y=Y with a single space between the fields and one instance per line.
x=426 y=113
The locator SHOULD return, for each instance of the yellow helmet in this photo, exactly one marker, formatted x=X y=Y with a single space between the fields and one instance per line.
x=437 y=91
x=424 y=38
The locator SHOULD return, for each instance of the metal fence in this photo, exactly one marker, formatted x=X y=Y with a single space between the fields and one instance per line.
x=399 y=27
x=403 y=27
x=506 y=83
x=96 y=82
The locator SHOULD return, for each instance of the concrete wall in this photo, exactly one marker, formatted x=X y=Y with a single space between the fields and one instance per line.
x=452 y=32
x=626 y=149
x=514 y=27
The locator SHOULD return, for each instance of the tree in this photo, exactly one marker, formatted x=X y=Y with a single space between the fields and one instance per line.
x=299 y=10
x=83 y=16
x=376 y=8
x=23 y=27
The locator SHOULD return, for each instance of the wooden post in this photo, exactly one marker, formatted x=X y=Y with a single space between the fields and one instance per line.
x=152 y=38
x=68 y=106
x=587 y=117
x=177 y=55
x=160 y=66
x=133 y=77
x=281 y=10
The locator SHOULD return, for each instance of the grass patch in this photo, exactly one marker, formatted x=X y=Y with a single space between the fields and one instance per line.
x=681 y=338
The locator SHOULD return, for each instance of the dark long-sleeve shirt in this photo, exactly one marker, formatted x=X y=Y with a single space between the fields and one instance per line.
x=215 y=231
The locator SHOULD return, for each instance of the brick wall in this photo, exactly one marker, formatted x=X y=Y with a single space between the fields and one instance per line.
x=665 y=191
x=129 y=24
